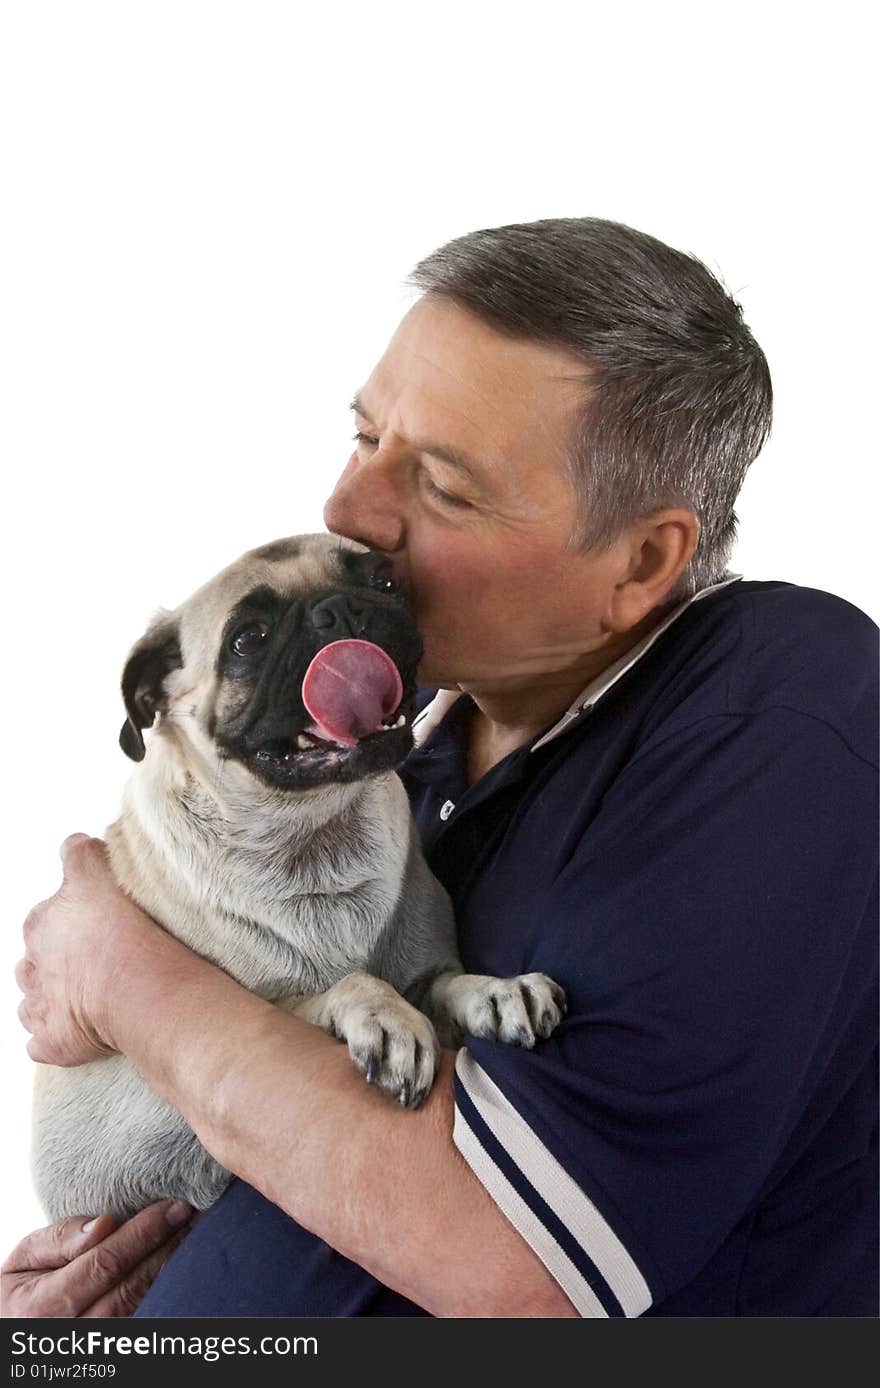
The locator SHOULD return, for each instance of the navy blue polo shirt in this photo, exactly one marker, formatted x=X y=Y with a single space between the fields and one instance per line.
x=691 y=850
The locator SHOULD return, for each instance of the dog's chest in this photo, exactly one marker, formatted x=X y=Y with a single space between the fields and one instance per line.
x=321 y=926
x=282 y=912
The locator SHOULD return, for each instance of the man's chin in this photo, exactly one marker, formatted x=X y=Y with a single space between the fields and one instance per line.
x=437 y=671
x=429 y=677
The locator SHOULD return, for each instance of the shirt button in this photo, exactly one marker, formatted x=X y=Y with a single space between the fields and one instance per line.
x=446 y=809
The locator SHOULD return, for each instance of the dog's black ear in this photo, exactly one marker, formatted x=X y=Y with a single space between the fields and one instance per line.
x=149 y=661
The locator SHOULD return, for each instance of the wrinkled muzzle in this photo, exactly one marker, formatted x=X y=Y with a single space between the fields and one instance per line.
x=318 y=688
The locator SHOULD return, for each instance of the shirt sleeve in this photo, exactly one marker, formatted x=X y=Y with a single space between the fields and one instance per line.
x=711 y=926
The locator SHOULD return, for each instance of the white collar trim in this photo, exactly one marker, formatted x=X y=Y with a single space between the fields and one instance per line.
x=434 y=712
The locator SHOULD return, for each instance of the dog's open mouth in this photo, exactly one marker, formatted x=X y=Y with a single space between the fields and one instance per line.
x=307 y=748
x=307 y=760
x=354 y=695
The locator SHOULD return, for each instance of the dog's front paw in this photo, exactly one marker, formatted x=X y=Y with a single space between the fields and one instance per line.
x=390 y=1041
x=395 y=1047
x=518 y=1010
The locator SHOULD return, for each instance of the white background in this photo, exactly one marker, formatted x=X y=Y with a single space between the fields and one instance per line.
x=209 y=210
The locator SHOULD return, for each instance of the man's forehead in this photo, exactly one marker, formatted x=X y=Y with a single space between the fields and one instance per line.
x=440 y=339
x=446 y=370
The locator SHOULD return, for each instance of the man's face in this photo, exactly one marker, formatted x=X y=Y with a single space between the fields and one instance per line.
x=459 y=478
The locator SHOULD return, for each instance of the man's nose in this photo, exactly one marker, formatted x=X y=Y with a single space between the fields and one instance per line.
x=362 y=508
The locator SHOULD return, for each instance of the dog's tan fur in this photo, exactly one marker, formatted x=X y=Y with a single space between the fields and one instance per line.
x=303 y=897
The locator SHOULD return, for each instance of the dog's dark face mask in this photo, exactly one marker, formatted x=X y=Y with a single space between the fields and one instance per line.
x=271 y=639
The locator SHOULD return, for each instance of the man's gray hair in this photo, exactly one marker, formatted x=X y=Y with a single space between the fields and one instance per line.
x=678 y=401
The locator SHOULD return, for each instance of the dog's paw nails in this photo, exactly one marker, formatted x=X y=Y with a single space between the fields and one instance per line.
x=394 y=1047
x=517 y=1011
x=558 y=994
x=366 y=1052
x=368 y=1065
x=546 y=1025
x=545 y=1001
x=408 y=1071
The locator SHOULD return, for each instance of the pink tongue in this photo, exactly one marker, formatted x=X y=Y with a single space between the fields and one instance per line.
x=348 y=689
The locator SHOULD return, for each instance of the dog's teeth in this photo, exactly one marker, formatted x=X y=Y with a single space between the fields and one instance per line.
x=388 y=726
x=303 y=741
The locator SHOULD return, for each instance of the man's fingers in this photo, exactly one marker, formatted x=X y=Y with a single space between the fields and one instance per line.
x=58 y=1244
x=107 y=1265
x=78 y=852
x=128 y=1294
x=90 y=1266
x=70 y=844
x=24 y=973
x=26 y=1016
x=33 y=920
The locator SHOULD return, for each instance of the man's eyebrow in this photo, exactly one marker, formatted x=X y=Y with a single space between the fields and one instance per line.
x=453 y=456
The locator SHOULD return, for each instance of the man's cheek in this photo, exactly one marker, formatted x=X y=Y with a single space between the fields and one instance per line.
x=435 y=578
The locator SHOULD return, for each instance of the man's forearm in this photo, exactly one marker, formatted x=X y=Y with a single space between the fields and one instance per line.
x=280 y=1104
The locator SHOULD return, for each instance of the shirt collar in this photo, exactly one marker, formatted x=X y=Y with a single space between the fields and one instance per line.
x=434 y=712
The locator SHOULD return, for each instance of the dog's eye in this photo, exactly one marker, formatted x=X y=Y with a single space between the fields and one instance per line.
x=383 y=580
x=248 y=640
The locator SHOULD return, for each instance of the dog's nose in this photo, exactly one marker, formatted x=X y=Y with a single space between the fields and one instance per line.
x=338 y=615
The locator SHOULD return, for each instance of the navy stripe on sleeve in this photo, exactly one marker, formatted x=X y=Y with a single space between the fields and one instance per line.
x=551 y=1212
x=529 y=1200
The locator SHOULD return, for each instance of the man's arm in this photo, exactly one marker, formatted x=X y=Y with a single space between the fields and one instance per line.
x=277 y=1102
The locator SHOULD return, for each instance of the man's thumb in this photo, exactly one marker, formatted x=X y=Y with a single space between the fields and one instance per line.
x=69 y=850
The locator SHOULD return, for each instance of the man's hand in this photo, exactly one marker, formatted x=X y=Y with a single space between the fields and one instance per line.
x=90 y=1267
x=74 y=954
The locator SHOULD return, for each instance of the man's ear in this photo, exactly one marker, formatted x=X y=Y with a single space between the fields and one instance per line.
x=655 y=551
x=149 y=661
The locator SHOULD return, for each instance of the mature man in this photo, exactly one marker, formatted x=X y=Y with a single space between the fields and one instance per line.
x=640 y=774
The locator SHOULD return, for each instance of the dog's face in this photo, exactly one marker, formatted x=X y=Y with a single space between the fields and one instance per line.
x=224 y=672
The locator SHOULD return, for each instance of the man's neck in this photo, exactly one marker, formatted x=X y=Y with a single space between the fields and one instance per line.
x=506 y=717
x=520 y=708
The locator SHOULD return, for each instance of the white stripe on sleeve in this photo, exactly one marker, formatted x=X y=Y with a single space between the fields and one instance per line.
x=552 y=1182
x=526 y=1223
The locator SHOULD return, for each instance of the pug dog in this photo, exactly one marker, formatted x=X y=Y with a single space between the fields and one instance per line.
x=266 y=828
